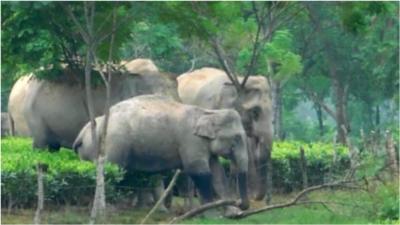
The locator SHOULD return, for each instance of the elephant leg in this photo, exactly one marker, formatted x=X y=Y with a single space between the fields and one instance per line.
x=54 y=146
x=43 y=137
x=253 y=180
x=157 y=194
x=144 y=198
x=219 y=178
x=168 y=198
x=186 y=190
x=203 y=182
x=261 y=166
x=269 y=182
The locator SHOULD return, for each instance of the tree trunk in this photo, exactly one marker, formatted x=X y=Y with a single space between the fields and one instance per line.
x=339 y=88
x=277 y=109
x=303 y=168
x=392 y=159
x=377 y=118
x=318 y=110
x=340 y=109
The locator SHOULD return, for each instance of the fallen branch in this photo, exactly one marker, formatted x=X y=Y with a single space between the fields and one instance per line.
x=294 y=201
x=201 y=209
x=163 y=196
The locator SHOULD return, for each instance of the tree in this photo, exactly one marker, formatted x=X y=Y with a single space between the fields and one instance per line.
x=92 y=39
x=327 y=24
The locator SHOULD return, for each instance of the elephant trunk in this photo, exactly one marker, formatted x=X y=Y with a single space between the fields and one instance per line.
x=241 y=161
x=264 y=168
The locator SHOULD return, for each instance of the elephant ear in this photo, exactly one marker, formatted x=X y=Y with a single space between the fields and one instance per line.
x=205 y=126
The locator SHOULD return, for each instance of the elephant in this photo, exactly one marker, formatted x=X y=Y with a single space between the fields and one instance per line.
x=154 y=133
x=17 y=123
x=53 y=112
x=211 y=88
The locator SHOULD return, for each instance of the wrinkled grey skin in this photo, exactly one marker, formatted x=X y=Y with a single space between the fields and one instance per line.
x=55 y=112
x=211 y=88
x=153 y=133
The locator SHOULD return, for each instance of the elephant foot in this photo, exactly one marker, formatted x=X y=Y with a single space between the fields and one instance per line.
x=232 y=212
x=259 y=197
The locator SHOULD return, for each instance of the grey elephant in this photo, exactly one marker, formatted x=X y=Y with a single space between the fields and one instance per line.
x=53 y=112
x=17 y=122
x=211 y=88
x=153 y=133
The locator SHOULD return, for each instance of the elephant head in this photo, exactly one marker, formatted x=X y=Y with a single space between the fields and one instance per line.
x=227 y=138
x=254 y=105
x=83 y=144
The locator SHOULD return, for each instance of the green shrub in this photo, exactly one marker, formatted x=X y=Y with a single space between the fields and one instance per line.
x=67 y=180
x=319 y=157
x=286 y=163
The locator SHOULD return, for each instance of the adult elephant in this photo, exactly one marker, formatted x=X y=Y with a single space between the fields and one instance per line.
x=17 y=123
x=153 y=133
x=211 y=88
x=55 y=111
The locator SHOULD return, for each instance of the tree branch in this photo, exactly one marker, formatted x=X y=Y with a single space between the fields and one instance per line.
x=294 y=201
x=83 y=33
x=163 y=196
x=218 y=51
x=320 y=102
x=201 y=209
x=255 y=51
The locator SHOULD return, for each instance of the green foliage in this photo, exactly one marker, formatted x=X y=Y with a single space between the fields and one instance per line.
x=298 y=215
x=158 y=42
x=388 y=202
x=67 y=179
x=278 y=52
x=319 y=160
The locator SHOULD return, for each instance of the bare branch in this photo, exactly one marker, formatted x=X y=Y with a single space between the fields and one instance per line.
x=115 y=28
x=254 y=54
x=294 y=201
x=83 y=33
x=320 y=102
x=201 y=209
x=163 y=196
x=219 y=52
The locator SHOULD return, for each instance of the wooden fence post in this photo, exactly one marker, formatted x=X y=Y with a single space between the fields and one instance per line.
x=41 y=169
x=303 y=168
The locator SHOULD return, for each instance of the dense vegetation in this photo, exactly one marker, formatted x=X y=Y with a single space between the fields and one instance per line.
x=332 y=67
x=330 y=64
x=70 y=180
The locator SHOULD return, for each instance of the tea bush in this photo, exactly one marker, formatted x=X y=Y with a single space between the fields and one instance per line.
x=67 y=180
x=319 y=160
x=319 y=156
